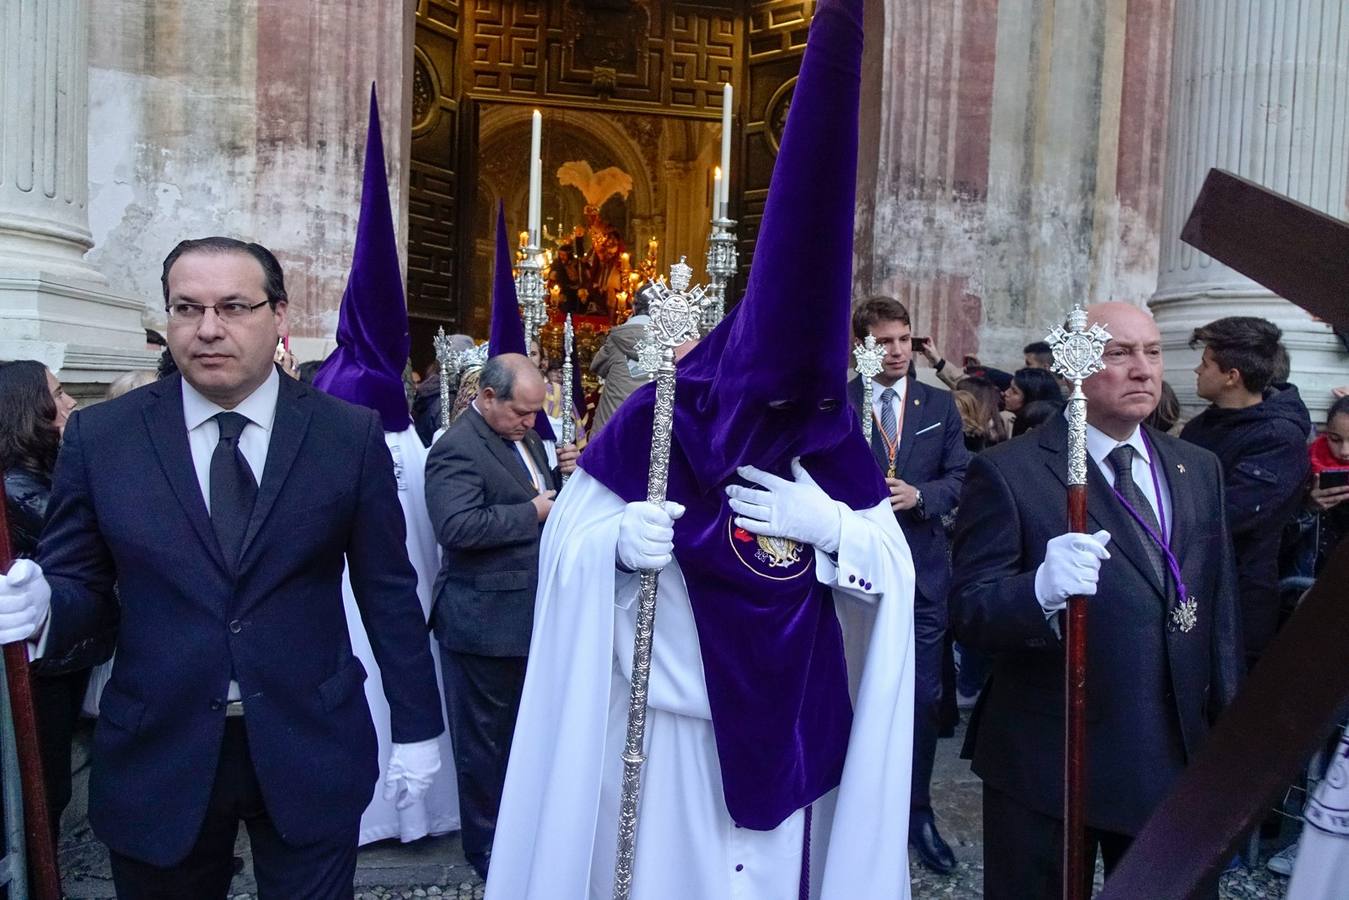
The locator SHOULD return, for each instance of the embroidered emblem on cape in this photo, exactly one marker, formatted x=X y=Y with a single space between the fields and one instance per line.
x=778 y=559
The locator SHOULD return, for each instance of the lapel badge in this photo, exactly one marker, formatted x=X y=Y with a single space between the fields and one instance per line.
x=1180 y=467
x=1185 y=615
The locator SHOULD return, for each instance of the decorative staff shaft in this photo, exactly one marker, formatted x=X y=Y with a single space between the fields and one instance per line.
x=445 y=357
x=46 y=878
x=1077 y=355
x=869 y=360
x=568 y=402
x=675 y=313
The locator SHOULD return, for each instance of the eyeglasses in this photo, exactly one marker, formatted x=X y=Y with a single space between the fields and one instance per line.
x=230 y=310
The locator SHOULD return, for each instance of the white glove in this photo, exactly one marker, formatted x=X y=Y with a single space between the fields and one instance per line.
x=25 y=598
x=1071 y=567
x=646 y=535
x=797 y=510
x=411 y=768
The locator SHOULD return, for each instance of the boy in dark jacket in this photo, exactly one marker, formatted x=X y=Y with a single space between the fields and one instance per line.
x=1258 y=429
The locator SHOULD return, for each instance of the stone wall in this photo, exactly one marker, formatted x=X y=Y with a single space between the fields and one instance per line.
x=1019 y=149
x=242 y=118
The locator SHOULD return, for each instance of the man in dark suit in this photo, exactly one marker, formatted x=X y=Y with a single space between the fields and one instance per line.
x=1162 y=660
x=489 y=491
x=222 y=503
x=918 y=441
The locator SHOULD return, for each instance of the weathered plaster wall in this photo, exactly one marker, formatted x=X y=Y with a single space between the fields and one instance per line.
x=1017 y=163
x=245 y=118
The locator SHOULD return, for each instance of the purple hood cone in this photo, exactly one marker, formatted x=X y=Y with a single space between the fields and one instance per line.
x=372 y=324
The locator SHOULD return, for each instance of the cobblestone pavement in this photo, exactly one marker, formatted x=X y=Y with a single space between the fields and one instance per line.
x=435 y=867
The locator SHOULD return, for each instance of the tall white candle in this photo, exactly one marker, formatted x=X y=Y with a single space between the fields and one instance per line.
x=723 y=201
x=535 y=178
x=716 y=193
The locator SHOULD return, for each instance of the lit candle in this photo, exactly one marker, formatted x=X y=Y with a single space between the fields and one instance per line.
x=724 y=198
x=716 y=193
x=536 y=177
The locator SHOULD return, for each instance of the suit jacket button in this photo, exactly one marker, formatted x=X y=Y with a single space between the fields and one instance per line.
x=236 y=626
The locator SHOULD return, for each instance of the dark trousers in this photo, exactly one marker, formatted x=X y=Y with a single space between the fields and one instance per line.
x=1023 y=851
x=929 y=634
x=482 y=698
x=321 y=871
x=57 y=700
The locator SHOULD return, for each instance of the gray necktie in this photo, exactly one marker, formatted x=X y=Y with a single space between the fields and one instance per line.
x=888 y=415
x=1122 y=461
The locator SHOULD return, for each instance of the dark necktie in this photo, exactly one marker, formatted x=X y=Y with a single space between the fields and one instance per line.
x=888 y=415
x=1122 y=461
x=233 y=488
x=514 y=450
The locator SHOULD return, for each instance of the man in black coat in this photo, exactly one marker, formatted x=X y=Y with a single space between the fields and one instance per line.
x=919 y=443
x=1163 y=660
x=489 y=491
x=207 y=519
x=1259 y=432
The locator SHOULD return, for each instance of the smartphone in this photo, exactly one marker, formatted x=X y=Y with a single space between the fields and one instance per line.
x=1333 y=478
x=919 y=343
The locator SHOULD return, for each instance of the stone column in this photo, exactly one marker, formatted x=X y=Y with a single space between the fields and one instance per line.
x=54 y=306
x=1258 y=88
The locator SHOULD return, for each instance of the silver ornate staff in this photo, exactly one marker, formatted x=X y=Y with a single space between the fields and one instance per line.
x=722 y=264
x=675 y=314
x=445 y=357
x=1077 y=355
x=568 y=403
x=869 y=360
x=530 y=290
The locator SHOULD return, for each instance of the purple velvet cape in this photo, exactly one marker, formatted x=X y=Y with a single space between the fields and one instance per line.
x=507 y=334
x=768 y=384
x=372 y=323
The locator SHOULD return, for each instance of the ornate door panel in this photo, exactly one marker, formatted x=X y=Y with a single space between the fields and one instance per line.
x=434 y=182
x=775 y=42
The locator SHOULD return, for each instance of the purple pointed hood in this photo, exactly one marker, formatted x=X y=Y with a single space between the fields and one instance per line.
x=770 y=383
x=372 y=324
x=507 y=334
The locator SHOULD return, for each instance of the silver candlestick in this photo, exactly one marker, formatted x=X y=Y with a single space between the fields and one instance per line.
x=869 y=360
x=722 y=264
x=530 y=290
x=568 y=402
x=675 y=313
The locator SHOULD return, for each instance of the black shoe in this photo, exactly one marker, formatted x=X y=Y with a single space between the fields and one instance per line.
x=480 y=862
x=933 y=852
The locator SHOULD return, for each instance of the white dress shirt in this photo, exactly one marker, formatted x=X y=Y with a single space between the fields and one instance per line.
x=203 y=433
x=523 y=450
x=1099 y=447
x=901 y=389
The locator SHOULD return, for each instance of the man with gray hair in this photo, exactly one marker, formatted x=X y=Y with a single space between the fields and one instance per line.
x=489 y=491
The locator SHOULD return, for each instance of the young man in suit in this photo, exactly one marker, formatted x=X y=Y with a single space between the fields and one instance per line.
x=1163 y=641
x=235 y=695
x=489 y=490
x=918 y=442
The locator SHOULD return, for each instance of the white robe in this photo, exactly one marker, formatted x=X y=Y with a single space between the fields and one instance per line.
x=438 y=813
x=1321 y=871
x=556 y=833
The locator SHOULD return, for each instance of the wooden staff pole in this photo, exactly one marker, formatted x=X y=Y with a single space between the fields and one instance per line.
x=46 y=879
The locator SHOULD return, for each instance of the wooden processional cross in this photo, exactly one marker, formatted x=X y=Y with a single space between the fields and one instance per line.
x=1291 y=699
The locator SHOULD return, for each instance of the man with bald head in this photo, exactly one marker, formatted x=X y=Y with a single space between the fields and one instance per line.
x=489 y=491
x=1163 y=653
